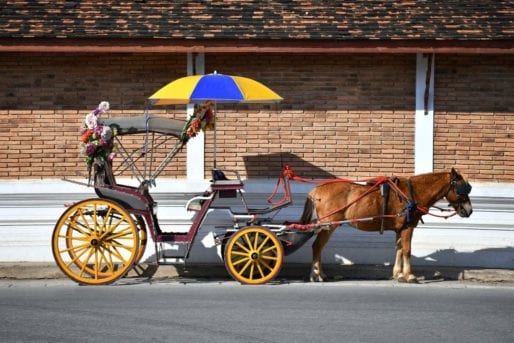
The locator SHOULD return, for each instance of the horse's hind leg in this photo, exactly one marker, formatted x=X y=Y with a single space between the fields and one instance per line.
x=317 y=274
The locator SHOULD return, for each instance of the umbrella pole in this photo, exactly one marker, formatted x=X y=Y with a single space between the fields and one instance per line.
x=215 y=119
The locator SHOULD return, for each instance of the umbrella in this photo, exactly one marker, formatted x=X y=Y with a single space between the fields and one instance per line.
x=215 y=87
x=219 y=88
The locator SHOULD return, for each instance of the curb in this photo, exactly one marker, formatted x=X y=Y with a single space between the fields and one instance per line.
x=48 y=270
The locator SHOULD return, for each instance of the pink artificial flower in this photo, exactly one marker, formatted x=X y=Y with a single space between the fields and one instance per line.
x=90 y=149
x=98 y=131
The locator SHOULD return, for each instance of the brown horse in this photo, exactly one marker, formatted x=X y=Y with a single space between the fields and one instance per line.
x=401 y=211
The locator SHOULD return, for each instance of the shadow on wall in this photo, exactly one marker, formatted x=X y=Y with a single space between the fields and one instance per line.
x=270 y=166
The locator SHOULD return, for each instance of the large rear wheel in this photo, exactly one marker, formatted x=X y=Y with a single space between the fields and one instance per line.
x=95 y=242
x=253 y=255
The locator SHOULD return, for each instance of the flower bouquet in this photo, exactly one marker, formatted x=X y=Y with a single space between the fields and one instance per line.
x=202 y=119
x=97 y=140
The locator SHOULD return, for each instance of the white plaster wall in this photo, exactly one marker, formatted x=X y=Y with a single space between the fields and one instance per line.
x=29 y=210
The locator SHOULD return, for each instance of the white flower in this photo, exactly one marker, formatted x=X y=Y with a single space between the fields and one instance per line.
x=103 y=107
x=106 y=133
x=91 y=120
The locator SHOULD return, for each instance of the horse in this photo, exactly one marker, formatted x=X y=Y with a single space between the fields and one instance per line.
x=401 y=211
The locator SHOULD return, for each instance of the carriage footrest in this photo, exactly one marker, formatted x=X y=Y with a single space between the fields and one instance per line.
x=172 y=253
x=171 y=260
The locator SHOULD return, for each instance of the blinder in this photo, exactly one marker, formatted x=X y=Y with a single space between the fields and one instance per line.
x=461 y=189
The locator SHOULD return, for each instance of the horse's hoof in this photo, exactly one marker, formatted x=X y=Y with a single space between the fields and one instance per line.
x=316 y=278
x=412 y=279
x=397 y=277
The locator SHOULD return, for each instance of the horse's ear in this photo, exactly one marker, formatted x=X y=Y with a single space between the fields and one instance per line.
x=454 y=172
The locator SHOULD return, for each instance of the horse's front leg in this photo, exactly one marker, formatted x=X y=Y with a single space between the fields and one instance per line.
x=406 y=238
x=317 y=274
x=397 y=269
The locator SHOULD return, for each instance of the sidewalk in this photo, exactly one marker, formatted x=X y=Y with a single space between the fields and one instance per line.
x=48 y=270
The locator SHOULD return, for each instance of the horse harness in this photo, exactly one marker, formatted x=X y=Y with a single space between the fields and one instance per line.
x=462 y=189
x=385 y=184
x=409 y=210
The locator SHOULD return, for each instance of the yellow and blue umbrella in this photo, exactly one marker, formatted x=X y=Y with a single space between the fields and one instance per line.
x=216 y=87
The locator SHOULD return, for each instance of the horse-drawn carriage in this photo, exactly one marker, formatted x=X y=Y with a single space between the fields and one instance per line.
x=98 y=240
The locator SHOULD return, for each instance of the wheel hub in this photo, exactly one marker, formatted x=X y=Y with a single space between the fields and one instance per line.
x=254 y=256
x=95 y=242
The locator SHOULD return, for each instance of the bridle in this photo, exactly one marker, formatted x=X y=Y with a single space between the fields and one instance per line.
x=461 y=189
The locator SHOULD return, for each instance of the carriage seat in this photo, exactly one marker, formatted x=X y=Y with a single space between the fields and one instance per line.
x=221 y=182
x=226 y=187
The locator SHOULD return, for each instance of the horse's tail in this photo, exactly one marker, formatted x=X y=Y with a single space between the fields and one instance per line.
x=308 y=210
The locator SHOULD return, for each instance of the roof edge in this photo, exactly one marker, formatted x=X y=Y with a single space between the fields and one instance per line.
x=120 y=45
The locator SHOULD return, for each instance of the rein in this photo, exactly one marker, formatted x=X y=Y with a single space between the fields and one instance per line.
x=288 y=174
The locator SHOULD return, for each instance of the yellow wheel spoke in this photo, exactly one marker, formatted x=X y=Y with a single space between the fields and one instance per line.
x=84 y=239
x=262 y=244
x=255 y=241
x=268 y=249
x=106 y=218
x=112 y=228
x=117 y=254
x=75 y=248
x=86 y=224
x=75 y=226
x=252 y=268
x=263 y=263
x=107 y=263
x=119 y=245
x=240 y=261
x=77 y=257
x=84 y=264
x=271 y=258
x=245 y=267
x=239 y=253
x=247 y=239
x=260 y=269
x=127 y=232
x=242 y=247
x=95 y=222
x=96 y=266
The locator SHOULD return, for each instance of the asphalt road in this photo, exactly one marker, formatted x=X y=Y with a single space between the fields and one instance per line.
x=171 y=311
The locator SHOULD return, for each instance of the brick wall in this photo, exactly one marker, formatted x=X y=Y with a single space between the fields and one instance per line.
x=474 y=116
x=44 y=99
x=343 y=115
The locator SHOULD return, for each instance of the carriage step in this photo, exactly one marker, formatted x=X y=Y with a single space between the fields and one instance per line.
x=171 y=260
x=175 y=253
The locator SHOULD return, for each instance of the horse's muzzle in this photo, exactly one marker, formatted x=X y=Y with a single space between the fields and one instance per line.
x=465 y=210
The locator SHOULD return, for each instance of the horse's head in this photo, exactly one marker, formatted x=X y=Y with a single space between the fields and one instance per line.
x=458 y=194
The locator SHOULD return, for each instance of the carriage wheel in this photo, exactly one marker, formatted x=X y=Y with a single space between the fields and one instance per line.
x=95 y=242
x=253 y=255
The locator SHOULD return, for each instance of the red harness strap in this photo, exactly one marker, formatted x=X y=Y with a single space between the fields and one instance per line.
x=379 y=181
x=288 y=174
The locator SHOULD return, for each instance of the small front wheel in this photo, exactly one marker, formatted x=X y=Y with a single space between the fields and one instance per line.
x=95 y=242
x=253 y=255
